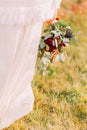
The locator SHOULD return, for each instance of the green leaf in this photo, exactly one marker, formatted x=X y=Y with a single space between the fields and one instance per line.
x=42 y=44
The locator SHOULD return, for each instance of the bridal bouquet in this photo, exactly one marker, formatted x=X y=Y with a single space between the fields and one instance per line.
x=55 y=38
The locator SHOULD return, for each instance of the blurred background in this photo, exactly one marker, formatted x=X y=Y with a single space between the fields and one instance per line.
x=61 y=96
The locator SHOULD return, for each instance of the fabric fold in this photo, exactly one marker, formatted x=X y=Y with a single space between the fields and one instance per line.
x=20 y=3
x=27 y=15
x=20 y=32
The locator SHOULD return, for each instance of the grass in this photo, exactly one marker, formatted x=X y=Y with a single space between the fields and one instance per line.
x=61 y=96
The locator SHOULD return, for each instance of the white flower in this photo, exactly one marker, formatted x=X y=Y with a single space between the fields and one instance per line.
x=65 y=40
x=45 y=60
x=62 y=57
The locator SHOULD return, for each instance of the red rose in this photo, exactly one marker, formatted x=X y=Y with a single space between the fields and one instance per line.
x=50 y=43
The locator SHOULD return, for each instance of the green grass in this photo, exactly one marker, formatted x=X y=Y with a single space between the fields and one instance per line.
x=61 y=96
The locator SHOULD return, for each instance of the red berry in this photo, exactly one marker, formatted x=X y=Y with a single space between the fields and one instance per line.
x=57 y=18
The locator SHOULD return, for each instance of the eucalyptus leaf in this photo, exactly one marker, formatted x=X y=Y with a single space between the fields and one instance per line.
x=57 y=58
x=42 y=44
x=45 y=60
x=62 y=57
x=48 y=35
x=47 y=55
x=66 y=40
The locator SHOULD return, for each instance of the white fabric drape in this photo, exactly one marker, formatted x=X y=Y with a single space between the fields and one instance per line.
x=20 y=31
